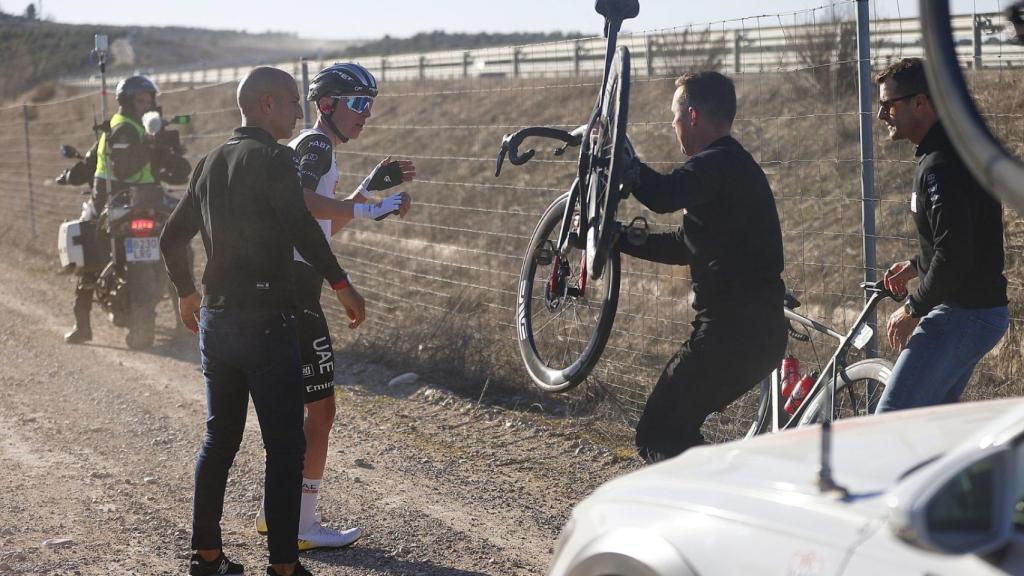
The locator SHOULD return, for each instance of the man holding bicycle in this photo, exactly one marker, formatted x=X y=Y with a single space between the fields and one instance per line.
x=958 y=312
x=731 y=238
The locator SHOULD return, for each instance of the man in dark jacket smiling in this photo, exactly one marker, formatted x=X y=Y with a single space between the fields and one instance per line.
x=958 y=311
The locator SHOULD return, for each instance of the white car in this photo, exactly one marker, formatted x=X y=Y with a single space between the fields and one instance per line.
x=932 y=491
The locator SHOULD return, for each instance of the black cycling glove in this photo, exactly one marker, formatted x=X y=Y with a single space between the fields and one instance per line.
x=386 y=176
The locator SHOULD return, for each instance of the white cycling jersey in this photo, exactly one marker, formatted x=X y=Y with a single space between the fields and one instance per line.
x=327 y=182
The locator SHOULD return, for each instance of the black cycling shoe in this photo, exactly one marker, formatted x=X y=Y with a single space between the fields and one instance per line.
x=219 y=567
x=299 y=571
x=78 y=335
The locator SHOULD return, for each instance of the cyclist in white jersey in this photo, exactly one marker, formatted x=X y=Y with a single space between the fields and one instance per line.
x=343 y=94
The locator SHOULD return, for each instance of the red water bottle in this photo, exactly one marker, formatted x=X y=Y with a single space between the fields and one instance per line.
x=790 y=375
x=799 y=393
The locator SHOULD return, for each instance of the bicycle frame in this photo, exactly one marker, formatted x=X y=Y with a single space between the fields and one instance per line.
x=578 y=137
x=832 y=372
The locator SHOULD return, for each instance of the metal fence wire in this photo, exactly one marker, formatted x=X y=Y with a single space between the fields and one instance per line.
x=441 y=283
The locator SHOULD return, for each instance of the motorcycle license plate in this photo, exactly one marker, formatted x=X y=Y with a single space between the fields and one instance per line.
x=142 y=249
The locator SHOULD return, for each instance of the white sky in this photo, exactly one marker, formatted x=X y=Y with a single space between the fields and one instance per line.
x=348 y=19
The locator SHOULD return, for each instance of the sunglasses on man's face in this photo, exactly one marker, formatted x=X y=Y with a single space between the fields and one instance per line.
x=357 y=104
x=887 y=105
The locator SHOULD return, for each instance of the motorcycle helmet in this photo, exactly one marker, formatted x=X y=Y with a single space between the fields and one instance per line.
x=132 y=85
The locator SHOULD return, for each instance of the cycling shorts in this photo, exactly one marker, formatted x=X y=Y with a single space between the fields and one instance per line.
x=314 y=336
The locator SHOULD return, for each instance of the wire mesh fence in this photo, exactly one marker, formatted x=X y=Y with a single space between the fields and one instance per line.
x=441 y=283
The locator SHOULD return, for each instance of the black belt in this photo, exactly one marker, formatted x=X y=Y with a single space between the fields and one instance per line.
x=264 y=302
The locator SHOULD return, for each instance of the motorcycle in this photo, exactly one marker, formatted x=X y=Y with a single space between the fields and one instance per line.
x=120 y=245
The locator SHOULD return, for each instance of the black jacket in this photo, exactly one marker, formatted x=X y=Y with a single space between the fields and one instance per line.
x=246 y=200
x=960 y=229
x=730 y=235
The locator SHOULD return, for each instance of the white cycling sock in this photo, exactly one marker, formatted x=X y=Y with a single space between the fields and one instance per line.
x=307 y=510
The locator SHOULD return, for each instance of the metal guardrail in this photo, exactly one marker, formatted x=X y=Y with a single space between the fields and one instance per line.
x=739 y=48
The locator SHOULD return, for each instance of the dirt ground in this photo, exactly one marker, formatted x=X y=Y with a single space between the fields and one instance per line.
x=99 y=443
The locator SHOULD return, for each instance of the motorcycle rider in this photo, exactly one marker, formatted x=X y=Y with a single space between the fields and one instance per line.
x=124 y=157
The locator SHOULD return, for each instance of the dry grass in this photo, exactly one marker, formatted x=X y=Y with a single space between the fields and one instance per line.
x=441 y=283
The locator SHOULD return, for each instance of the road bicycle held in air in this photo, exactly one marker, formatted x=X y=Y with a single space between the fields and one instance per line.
x=569 y=284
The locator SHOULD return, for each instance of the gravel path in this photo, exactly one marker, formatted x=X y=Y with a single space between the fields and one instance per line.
x=99 y=442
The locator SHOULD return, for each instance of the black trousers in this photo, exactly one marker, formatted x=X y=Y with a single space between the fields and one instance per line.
x=720 y=362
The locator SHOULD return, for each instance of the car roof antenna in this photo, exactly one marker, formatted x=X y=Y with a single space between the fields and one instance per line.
x=826 y=483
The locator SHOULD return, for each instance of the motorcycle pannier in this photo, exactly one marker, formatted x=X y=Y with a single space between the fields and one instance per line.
x=81 y=246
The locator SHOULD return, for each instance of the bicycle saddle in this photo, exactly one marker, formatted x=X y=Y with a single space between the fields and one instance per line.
x=617 y=9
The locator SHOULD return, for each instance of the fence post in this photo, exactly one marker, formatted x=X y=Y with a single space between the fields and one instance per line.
x=383 y=68
x=867 y=153
x=577 y=51
x=515 y=62
x=307 y=121
x=28 y=172
x=649 y=54
x=466 y=59
x=423 y=67
x=737 y=50
x=977 y=25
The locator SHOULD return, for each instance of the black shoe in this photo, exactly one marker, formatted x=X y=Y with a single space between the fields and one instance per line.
x=299 y=571
x=78 y=335
x=219 y=567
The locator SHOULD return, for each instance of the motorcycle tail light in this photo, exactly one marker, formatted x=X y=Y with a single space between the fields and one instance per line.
x=143 y=226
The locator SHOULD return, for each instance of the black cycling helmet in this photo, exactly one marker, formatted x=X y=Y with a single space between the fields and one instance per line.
x=131 y=86
x=341 y=79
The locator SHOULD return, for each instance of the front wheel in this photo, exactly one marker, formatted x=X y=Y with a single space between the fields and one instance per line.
x=857 y=395
x=563 y=318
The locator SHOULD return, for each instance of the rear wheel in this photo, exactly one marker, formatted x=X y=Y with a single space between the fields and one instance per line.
x=856 y=395
x=145 y=289
x=606 y=166
x=563 y=318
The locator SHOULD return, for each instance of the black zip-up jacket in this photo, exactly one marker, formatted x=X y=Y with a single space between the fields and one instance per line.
x=730 y=235
x=960 y=229
x=246 y=200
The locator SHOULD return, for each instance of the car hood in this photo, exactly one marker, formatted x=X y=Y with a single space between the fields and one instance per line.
x=870 y=455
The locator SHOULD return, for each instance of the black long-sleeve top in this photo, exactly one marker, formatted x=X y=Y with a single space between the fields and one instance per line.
x=960 y=229
x=246 y=200
x=730 y=235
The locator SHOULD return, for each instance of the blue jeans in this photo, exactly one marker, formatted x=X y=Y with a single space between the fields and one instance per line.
x=940 y=357
x=253 y=353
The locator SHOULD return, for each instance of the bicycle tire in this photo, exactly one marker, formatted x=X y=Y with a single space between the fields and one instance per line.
x=605 y=168
x=859 y=376
x=580 y=346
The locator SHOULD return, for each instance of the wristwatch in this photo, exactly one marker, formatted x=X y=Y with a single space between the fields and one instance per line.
x=908 y=308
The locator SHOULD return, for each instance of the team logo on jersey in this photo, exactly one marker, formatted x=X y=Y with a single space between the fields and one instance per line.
x=324 y=354
x=307 y=370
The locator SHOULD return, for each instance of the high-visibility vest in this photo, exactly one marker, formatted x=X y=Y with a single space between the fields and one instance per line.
x=143 y=176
